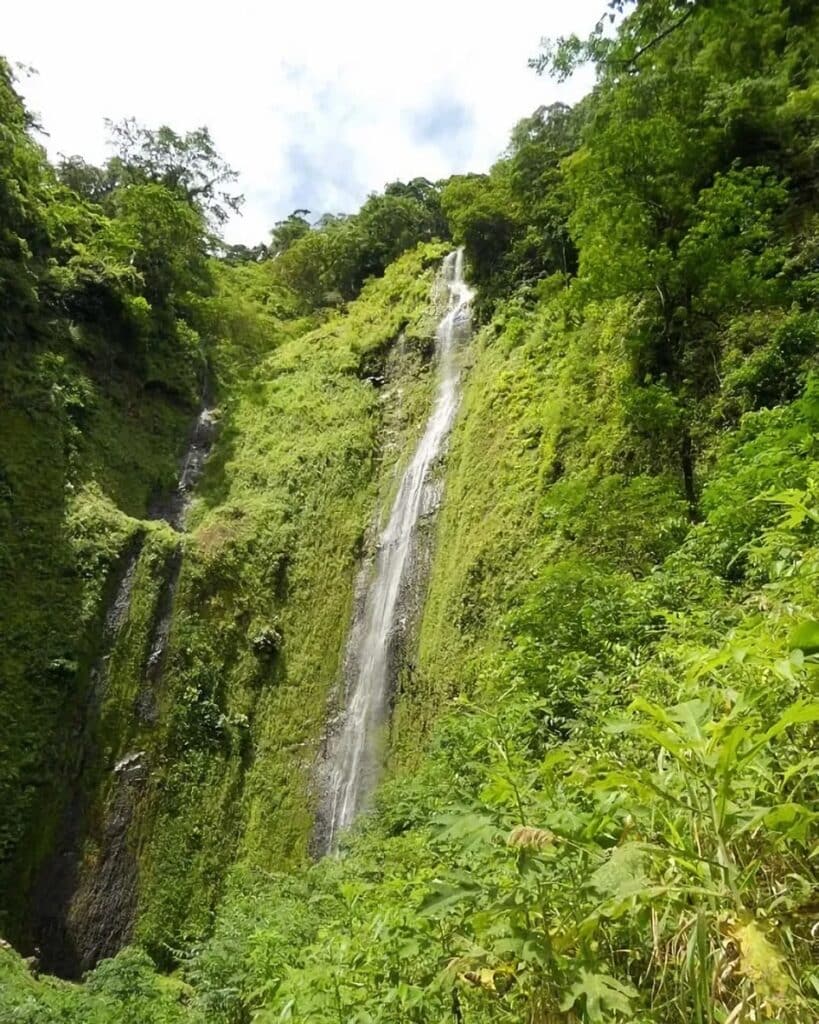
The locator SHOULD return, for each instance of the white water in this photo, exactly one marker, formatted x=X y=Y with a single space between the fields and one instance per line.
x=354 y=753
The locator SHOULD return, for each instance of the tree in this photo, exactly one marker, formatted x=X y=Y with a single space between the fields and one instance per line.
x=329 y=261
x=482 y=216
x=423 y=191
x=162 y=237
x=651 y=23
x=291 y=229
x=24 y=236
x=240 y=253
x=188 y=164
x=89 y=182
x=390 y=224
x=537 y=148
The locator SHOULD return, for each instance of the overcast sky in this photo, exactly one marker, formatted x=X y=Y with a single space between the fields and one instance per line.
x=316 y=103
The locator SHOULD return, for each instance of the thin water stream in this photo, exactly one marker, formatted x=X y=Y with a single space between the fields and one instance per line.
x=83 y=912
x=355 y=749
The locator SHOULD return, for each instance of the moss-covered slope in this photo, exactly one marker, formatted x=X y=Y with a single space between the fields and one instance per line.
x=146 y=756
x=529 y=834
x=83 y=446
x=308 y=442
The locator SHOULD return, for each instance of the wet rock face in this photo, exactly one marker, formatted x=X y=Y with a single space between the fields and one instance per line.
x=86 y=915
x=56 y=887
x=132 y=767
x=118 y=608
x=103 y=911
x=84 y=909
x=146 y=701
x=172 y=507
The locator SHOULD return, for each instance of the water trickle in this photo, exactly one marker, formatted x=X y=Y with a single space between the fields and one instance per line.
x=83 y=913
x=173 y=507
x=354 y=754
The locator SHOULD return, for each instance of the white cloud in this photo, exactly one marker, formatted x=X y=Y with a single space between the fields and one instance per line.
x=316 y=102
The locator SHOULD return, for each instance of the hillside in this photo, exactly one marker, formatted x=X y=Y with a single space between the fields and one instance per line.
x=598 y=788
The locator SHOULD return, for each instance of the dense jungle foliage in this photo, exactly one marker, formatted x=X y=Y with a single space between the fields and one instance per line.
x=600 y=800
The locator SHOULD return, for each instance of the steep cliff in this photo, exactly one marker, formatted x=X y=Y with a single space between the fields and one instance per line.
x=598 y=791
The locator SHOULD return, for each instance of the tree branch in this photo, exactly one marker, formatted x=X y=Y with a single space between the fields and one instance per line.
x=631 y=63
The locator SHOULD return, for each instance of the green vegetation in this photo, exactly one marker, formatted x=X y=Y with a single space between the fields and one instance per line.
x=117 y=310
x=328 y=264
x=600 y=802
x=99 y=384
x=265 y=595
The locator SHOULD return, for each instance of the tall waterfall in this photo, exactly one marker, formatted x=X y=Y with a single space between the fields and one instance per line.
x=354 y=753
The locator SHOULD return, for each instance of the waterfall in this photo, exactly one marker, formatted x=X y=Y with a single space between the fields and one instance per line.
x=173 y=509
x=85 y=912
x=354 y=755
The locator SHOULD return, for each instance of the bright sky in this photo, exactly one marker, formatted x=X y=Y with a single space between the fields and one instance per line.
x=315 y=102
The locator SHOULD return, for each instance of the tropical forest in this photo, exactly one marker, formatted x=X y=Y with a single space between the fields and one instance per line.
x=414 y=618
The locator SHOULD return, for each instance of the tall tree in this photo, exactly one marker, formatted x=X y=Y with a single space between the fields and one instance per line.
x=188 y=164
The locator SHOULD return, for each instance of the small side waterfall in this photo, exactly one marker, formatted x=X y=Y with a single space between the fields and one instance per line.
x=83 y=912
x=354 y=751
x=173 y=509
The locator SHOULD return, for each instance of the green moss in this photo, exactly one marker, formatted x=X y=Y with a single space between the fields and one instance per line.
x=548 y=613
x=82 y=448
x=126 y=990
x=308 y=448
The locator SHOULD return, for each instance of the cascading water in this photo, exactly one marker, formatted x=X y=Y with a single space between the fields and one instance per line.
x=354 y=751
x=83 y=913
x=173 y=510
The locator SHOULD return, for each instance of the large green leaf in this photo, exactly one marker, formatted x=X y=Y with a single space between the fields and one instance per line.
x=601 y=995
x=806 y=637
